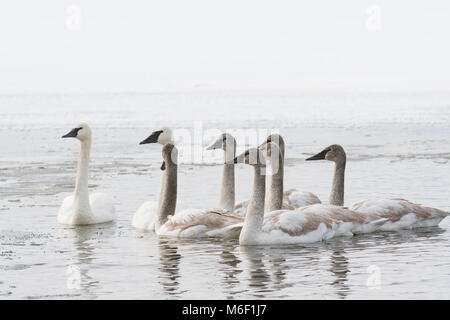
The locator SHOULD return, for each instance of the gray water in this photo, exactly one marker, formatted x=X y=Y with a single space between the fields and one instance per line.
x=398 y=145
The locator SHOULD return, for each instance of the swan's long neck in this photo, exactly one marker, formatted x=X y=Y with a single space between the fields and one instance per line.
x=337 y=188
x=276 y=184
x=168 y=193
x=227 y=191
x=81 y=196
x=255 y=213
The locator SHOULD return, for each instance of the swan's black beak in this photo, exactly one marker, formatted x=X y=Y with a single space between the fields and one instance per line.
x=263 y=145
x=72 y=134
x=320 y=156
x=240 y=158
x=216 y=145
x=163 y=166
x=153 y=138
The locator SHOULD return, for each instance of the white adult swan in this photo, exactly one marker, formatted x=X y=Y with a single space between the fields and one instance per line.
x=278 y=199
x=80 y=208
x=401 y=213
x=189 y=223
x=145 y=216
x=304 y=225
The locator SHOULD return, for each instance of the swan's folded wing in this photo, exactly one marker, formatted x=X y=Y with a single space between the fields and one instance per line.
x=318 y=222
x=292 y=199
x=401 y=213
x=102 y=207
x=66 y=210
x=196 y=223
x=241 y=208
x=145 y=216
x=297 y=199
x=295 y=222
x=294 y=226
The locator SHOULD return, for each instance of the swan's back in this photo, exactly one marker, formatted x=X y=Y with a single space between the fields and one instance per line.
x=102 y=207
x=240 y=209
x=66 y=212
x=401 y=213
x=199 y=223
x=314 y=223
x=292 y=199
x=299 y=199
x=145 y=216
x=102 y=210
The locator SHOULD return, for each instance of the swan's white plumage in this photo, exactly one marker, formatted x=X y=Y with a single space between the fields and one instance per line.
x=145 y=216
x=102 y=210
x=241 y=208
x=82 y=208
x=401 y=213
x=298 y=199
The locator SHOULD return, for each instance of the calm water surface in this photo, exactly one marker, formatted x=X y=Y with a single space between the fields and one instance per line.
x=398 y=145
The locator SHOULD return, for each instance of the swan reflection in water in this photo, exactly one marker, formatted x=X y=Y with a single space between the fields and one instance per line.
x=267 y=269
x=259 y=277
x=339 y=268
x=78 y=267
x=229 y=268
x=169 y=259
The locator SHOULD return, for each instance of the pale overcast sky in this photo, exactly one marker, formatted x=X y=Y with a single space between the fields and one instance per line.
x=171 y=45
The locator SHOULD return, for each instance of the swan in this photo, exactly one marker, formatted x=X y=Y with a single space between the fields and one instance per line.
x=401 y=213
x=188 y=223
x=308 y=224
x=144 y=217
x=227 y=143
x=278 y=199
x=80 y=208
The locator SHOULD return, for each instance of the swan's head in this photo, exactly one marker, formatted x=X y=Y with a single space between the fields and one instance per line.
x=253 y=157
x=275 y=138
x=333 y=153
x=162 y=136
x=273 y=141
x=170 y=155
x=225 y=142
x=270 y=148
x=81 y=132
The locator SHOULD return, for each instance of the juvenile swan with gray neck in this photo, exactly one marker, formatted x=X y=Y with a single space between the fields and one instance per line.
x=400 y=213
x=189 y=223
x=308 y=224
x=145 y=216
x=227 y=143
x=274 y=148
